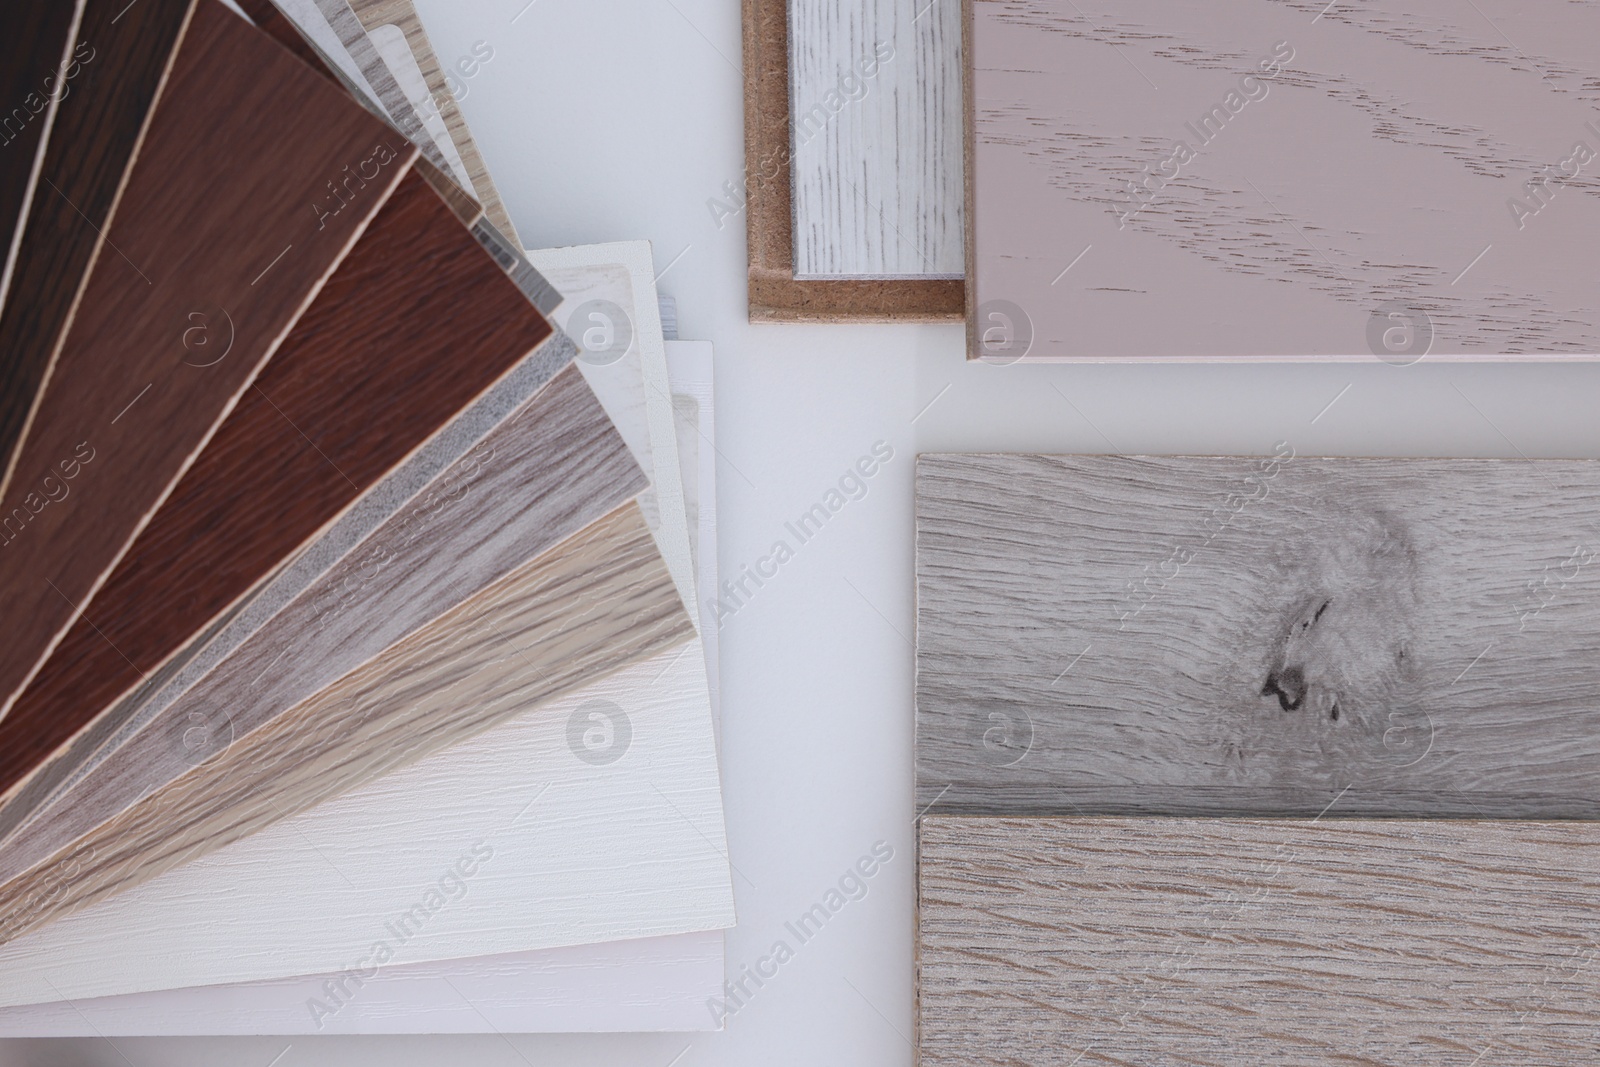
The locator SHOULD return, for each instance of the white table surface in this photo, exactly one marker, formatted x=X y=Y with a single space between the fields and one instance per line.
x=606 y=120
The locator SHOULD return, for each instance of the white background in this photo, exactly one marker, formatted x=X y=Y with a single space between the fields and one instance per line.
x=607 y=120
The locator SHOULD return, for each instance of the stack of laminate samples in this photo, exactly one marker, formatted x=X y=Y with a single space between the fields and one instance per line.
x=353 y=677
x=1257 y=760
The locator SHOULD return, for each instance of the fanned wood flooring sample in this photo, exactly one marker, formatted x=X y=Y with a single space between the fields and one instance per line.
x=572 y=834
x=537 y=479
x=1190 y=635
x=348 y=395
x=1059 y=941
x=1281 y=179
x=97 y=125
x=591 y=605
x=172 y=327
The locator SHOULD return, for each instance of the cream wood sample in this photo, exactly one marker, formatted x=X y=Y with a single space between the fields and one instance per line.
x=689 y=368
x=875 y=119
x=583 y=830
x=648 y=984
x=587 y=607
x=1257 y=636
x=1301 y=943
x=543 y=474
x=1255 y=179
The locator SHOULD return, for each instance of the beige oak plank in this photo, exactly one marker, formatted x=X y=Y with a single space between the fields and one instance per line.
x=1056 y=941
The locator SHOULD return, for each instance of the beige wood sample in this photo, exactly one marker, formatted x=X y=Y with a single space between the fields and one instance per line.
x=600 y=600
x=1097 y=942
x=1255 y=636
x=1281 y=179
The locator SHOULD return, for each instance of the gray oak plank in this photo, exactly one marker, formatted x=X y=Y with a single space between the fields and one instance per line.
x=1260 y=179
x=1204 y=635
x=1058 y=941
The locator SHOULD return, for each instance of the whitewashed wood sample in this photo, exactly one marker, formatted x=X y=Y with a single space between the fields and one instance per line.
x=1271 y=179
x=611 y=310
x=540 y=476
x=1188 y=635
x=648 y=984
x=689 y=368
x=875 y=129
x=594 y=818
x=1058 y=941
x=593 y=604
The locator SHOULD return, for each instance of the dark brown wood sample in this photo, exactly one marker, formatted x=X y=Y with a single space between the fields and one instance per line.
x=93 y=132
x=253 y=179
x=413 y=326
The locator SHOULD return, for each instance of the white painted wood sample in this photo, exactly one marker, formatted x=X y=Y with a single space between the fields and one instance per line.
x=876 y=138
x=593 y=818
x=1282 y=179
x=390 y=41
x=624 y=361
x=1296 y=943
x=689 y=367
x=649 y=984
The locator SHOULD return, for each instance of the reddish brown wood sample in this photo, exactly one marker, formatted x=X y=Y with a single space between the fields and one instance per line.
x=228 y=223
x=413 y=326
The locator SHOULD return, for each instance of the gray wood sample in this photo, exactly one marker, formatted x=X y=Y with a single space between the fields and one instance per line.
x=548 y=471
x=1192 y=635
x=1260 y=179
x=1060 y=941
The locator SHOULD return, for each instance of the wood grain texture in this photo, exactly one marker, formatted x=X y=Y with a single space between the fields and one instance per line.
x=370 y=372
x=1051 y=941
x=875 y=114
x=764 y=197
x=40 y=56
x=1264 y=180
x=583 y=851
x=1192 y=635
x=135 y=393
x=97 y=125
x=650 y=984
x=600 y=600
x=690 y=371
x=539 y=477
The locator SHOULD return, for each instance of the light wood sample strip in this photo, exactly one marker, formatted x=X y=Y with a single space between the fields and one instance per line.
x=627 y=843
x=368 y=374
x=174 y=322
x=1256 y=636
x=1254 y=179
x=553 y=468
x=875 y=113
x=1058 y=941
x=97 y=125
x=589 y=606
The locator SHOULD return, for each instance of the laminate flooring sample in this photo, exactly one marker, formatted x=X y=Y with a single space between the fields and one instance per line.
x=1252 y=179
x=1057 y=941
x=1258 y=636
x=97 y=125
x=570 y=835
x=173 y=327
x=689 y=370
x=875 y=110
x=388 y=353
x=539 y=477
x=41 y=55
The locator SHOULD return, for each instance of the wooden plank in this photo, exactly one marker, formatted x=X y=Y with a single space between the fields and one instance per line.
x=875 y=112
x=367 y=376
x=97 y=125
x=1395 y=942
x=136 y=393
x=644 y=985
x=689 y=368
x=539 y=477
x=763 y=196
x=1263 y=180
x=583 y=851
x=1204 y=635
x=43 y=55
x=600 y=600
